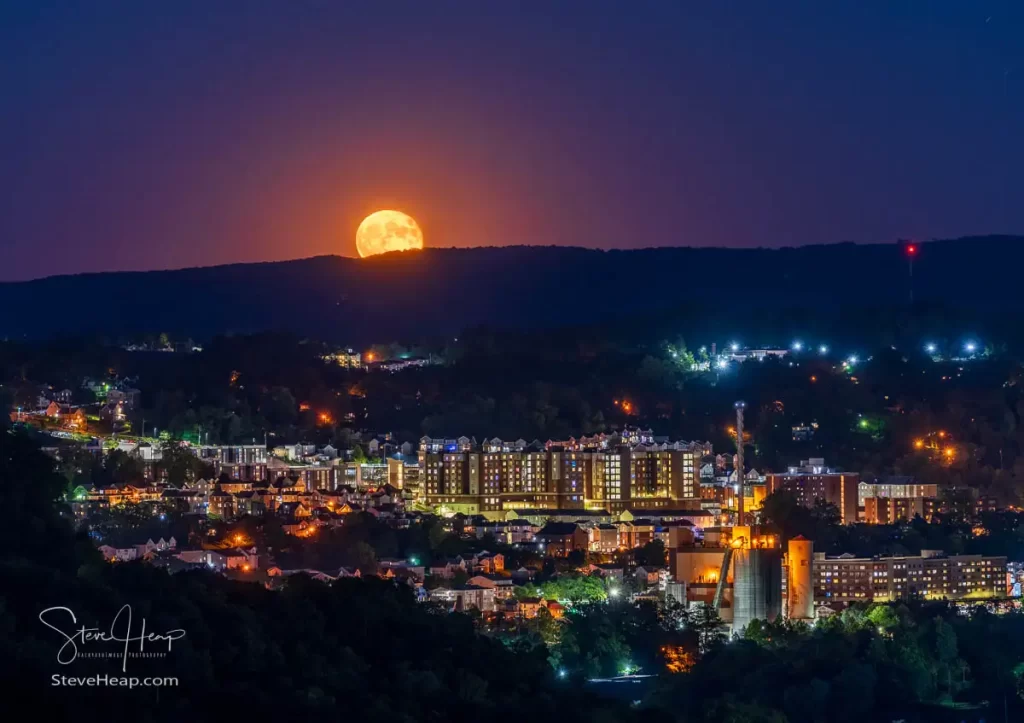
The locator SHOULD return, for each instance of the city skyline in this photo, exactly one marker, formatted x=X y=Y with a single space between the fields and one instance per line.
x=139 y=140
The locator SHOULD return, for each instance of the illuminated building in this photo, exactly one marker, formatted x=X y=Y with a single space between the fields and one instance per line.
x=739 y=573
x=888 y=510
x=813 y=481
x=931 y=576
x=345 y=358
x=503 y=476
x=895 y=487
x=799 y=579
x=239 y=461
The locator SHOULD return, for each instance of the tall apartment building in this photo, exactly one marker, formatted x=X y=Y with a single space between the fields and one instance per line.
x=931 y=575
x=515 y=475
x=888 y=510
x=813 y=481
x=247 y=462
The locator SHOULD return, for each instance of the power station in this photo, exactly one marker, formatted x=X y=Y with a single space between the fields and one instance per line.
x=740 y=570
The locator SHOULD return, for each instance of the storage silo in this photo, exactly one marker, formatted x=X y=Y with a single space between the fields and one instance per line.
x=800 y=580
x=757 y=586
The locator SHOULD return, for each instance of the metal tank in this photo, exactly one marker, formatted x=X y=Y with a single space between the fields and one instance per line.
x=757 y=586
x=800 y=581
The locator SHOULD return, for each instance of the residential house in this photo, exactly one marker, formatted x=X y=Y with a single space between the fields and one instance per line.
x=646 y=576
x=560 y=539
x=503 y=587
x=119 y=554
x=604 y=538
x=466 y=597
x=490 y=563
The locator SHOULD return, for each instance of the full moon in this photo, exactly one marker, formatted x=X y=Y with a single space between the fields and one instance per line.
x=385 y=231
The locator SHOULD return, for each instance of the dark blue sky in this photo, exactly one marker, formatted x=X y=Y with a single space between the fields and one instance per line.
x=141 y=135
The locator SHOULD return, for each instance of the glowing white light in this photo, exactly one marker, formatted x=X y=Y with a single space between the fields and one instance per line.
x=823 y=349
x=734 y=346
x=798 y=345
x=930 y=348
x=970 y=347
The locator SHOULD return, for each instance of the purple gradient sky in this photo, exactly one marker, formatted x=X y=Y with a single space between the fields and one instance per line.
x=159 y=135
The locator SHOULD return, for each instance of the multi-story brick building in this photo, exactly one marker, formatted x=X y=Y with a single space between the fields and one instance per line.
x=813 y=481
x=931 y=575
x=888 y=510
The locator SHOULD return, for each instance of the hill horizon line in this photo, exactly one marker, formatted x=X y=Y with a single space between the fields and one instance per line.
x=430 y=250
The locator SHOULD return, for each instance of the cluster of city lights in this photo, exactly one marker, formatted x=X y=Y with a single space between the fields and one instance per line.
x=938 y=442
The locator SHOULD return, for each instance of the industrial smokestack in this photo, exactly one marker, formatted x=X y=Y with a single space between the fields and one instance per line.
x=740 y=406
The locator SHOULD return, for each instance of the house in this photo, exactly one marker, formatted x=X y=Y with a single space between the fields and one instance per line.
x=249 y=503
x=604 y=538
x=277 y=572
x=415 y=570
x=636 y=533
x=239 y=560
x=68 y=417
x=528 y=607
x=503 y=587
x=448 y=568
x=521 y=531
x=465 y=597
x=127 y=397
x=300 y=528
x=119 y=554
x=220 y=504
x=646 y=576
x=608 y=571
x=111 y=412
x=210 y=558
x=560 y=539
x=555 y=608
x=490 y=563
x=522 y=575
x=294 y=511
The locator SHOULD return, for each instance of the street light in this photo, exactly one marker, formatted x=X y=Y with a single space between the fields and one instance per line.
x=930 y=347
x=970 y=347
x=734 y=346
x=823 y=349
x=798 y=345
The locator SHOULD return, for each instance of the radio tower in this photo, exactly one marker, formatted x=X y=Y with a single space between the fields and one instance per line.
x=740 y=406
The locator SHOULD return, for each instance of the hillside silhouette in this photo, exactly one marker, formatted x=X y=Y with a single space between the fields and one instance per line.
x=438 y=292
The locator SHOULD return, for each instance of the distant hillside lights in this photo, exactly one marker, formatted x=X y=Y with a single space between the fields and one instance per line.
x=373 y=361
x=345 y=358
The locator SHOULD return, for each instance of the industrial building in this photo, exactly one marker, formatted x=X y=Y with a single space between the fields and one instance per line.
x=737 y=571
x=743 y=574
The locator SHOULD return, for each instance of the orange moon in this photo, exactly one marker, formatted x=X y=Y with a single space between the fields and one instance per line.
x=385 y=231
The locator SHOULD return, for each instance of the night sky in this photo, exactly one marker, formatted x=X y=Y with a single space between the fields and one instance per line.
x=145 y=135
